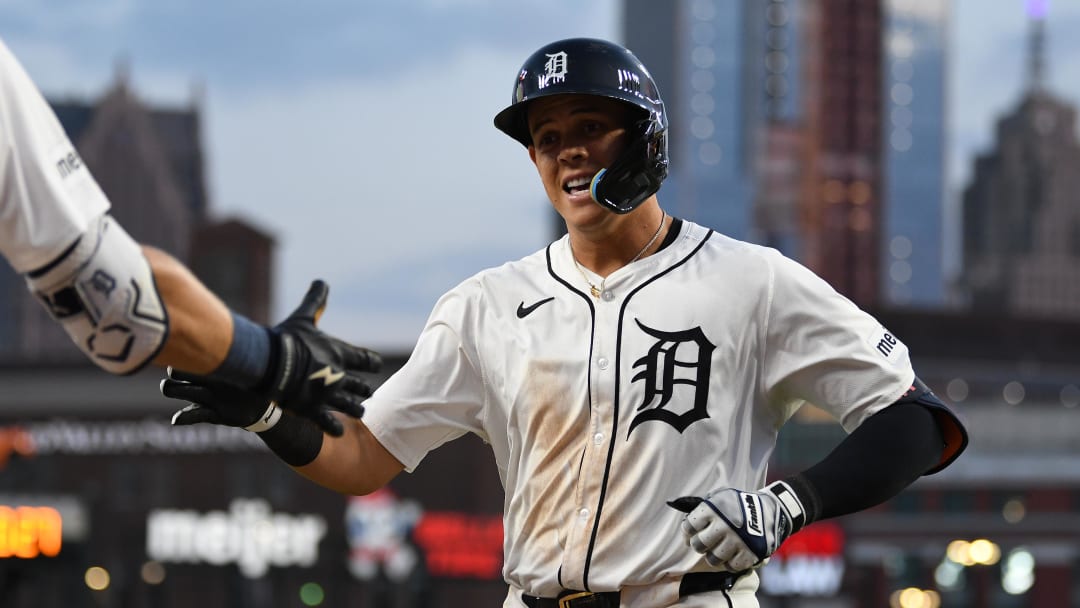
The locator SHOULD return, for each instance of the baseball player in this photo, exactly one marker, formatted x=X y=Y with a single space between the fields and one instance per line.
x=126 y=305
x=631 y=377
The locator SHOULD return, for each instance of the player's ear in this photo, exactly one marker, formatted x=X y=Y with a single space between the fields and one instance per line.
x=532 y=154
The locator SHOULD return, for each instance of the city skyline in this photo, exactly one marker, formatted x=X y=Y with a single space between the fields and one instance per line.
x=350 y=123
x=384 y=176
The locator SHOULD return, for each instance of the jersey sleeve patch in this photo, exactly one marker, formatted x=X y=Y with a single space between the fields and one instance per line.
x=887 y=345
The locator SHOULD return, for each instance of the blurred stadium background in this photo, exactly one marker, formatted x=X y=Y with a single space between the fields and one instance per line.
x=818 y=127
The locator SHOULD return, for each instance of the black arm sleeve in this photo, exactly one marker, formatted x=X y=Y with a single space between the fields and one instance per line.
x=888 y=452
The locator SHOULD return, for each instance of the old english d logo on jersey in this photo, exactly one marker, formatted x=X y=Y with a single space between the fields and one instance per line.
x=679 y=357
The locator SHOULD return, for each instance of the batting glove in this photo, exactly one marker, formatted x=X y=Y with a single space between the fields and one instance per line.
x=218 y=403
x=295 y=440
x=737 y=530
x=314 y=373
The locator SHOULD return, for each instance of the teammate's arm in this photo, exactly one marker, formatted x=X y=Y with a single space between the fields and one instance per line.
x=125 y=305
x=200 y=325
x=95 y=279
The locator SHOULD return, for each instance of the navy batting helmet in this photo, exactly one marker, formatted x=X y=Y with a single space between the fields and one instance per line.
x=589 y=66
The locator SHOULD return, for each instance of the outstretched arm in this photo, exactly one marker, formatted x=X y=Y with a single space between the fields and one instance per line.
x=123 y=304
x=355 y=463
x=126 y=305
x=200 y=325
x=352 y=463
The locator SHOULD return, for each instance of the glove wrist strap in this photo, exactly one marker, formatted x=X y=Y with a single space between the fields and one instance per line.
x=790 y=502
x=250 y=354
x=295 y=440
x=267 y=421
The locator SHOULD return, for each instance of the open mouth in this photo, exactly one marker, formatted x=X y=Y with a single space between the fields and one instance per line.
x=577 y=185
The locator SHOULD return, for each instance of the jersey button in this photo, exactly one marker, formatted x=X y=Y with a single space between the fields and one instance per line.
x=583 y=514
x=598 y=438
x=607 y=295
x=602 y=363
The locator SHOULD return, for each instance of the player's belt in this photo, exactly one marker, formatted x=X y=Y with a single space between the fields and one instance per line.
x=694 y=582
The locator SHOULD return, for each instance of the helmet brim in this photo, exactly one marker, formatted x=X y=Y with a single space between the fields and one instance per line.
x=514 y=119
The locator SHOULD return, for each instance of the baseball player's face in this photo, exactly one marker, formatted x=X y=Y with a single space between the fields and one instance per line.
x=574 y=136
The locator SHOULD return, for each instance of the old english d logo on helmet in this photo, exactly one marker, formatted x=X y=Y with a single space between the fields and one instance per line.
x=589 y=66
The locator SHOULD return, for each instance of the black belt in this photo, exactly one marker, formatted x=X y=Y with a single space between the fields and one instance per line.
x=695 y=582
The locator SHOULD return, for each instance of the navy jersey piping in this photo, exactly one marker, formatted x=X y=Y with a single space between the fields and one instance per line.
x=592 y=338
x=615 y=416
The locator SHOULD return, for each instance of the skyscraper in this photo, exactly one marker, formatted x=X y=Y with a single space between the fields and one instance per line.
x=694 y=52
x=1021 y=211
x=779 y=124
x=774 y=129
x=913 y=146
x=841 y=197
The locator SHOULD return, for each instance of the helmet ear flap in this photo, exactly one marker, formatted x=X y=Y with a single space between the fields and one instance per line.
x=637 y=173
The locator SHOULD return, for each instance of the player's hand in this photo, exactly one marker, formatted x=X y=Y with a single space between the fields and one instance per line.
x=737 y=530
x=314 y=373
x=218 y=403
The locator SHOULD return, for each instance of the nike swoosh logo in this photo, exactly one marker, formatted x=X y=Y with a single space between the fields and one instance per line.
x=328 y=375
x=524 y=311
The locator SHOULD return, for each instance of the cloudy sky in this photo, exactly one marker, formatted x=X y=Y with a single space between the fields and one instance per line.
x=359 y=132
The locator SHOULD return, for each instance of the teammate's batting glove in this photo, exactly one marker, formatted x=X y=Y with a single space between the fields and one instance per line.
x=295 y=440
x=312 y=373
x=218 y=403
x=737 y=530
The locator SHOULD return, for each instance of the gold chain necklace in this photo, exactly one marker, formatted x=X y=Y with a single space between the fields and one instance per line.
x=597 y=290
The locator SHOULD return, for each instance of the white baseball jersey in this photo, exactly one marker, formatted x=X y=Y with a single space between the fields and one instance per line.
x=673 y=383
x=47 y=197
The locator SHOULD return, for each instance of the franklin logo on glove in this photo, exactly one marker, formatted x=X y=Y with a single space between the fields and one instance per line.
x=737 y=530
x=753 y=520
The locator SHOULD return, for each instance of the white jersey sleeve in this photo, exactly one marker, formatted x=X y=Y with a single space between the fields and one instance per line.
x=822 y=349
x=438 y=395
x=47 y=197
